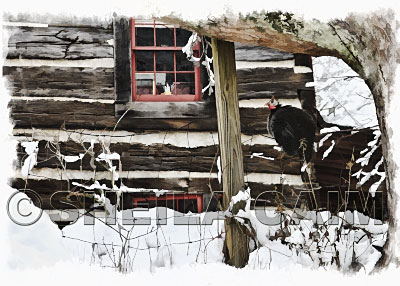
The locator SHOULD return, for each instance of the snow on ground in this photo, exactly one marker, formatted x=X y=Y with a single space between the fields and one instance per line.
x=161 y=238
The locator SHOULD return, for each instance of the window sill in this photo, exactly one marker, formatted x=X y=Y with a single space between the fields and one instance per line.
x=166 y=109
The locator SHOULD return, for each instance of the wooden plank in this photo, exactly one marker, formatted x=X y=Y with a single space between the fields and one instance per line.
x=61 y=108
x=287 y=88
x=266 y=193
x=107 y=122
x=236 y=244
x=98 y=83
x=45 y=81
x=332 y=169
x=271 y=74
x=161 y=157
x=96 y=116
x=122 y=68
x=254 y=53
x=59 y=43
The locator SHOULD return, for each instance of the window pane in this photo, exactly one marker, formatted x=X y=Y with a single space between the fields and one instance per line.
x=164 y=83
x=144 y=83
x=144 y=36
x=182 y=37
x=144 y=60
x=185 y=83
x=182 y=63
x=165 y=37
x=165 y=61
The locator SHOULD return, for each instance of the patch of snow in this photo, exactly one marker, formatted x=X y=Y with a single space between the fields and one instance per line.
x=71 y=159
x=260 y=155
x=302 y=69
x=329 y=130
x=188 y=48
x=219 y=169
x=326 y=153
x=105 y=157
x=321 y=142
x=31 y=149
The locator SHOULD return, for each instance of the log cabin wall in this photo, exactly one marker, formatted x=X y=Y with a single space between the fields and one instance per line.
x=61 y=80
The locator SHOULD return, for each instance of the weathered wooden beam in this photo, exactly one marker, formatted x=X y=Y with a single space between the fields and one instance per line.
x=255 y=53
x=263 y=195
x=61 y=108
x=161 y=157
x=270 y=74
x=280 y=88
x=236 y=240
x=98 y=83
x=122 y=56
x=71 y=43
x=46 y=81
x=267 y=194
x=97 y=115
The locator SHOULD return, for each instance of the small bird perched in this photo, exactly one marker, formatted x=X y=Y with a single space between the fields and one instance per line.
x=293 y=129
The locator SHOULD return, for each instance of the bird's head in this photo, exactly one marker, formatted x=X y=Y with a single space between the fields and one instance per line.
x=273 y=103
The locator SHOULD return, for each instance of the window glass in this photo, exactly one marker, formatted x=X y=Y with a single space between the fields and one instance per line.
x=144 y=36
x=182 y=63
x=164 y=37
x=182 y=37
x=164 y=83
x=164 y=60
x=185 y=83
x=144 y=60
x=144 y=83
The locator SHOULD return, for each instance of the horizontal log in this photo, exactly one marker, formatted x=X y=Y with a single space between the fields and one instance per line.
x=267 y=194
x=46 y=81
x=159 y=157
x=98 y=116
x=270 y=74
x=70 y=43
x=263 y=195
x=60 y=108
x=99 y=83
x=283 y=86
x=332 y=169
x=253 y=53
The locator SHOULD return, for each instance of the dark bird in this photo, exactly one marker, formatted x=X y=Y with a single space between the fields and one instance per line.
x=293 y=129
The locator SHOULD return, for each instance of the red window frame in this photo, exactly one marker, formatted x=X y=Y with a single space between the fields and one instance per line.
x=162 y=97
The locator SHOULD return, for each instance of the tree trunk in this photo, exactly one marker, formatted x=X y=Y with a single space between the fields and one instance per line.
x=236 y=247
x=366 y=42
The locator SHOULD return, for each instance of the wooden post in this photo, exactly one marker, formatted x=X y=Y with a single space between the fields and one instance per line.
x=236 y=246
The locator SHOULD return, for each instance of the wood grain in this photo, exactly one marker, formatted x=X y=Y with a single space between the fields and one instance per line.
x=46 y=81
x=71 y=43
